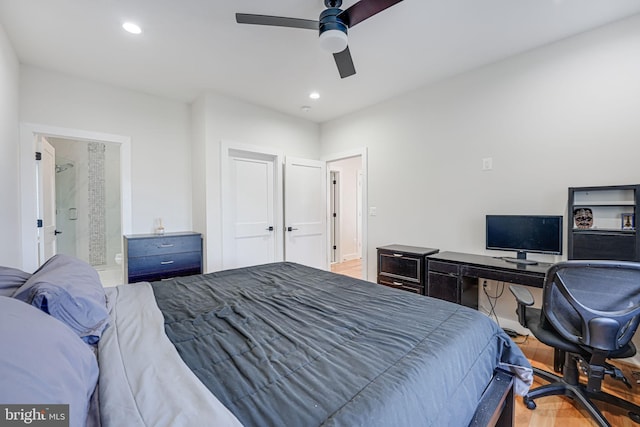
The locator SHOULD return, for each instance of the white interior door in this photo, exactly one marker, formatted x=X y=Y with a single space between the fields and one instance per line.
x=46 y=201
x=249 y=210
x=305 y=212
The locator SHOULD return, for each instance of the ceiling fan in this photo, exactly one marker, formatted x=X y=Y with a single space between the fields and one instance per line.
x=332 y=25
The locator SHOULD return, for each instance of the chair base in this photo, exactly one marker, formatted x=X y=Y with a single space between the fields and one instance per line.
x=569 y=386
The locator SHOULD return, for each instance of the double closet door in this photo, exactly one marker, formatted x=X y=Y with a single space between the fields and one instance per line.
x=273 y=209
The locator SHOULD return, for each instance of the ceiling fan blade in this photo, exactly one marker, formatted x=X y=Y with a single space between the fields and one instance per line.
x=344 y=63
x=364 y=9
x=277 y=21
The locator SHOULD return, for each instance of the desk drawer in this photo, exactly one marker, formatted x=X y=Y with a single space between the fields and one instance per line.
x=520 y=278
x=443 y=267
x=163 y=245
x=443 y=286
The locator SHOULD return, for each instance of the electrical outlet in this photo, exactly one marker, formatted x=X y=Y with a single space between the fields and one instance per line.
x=487 y=164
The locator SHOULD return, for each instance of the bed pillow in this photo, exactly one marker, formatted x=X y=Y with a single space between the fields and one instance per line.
x=11 y=279
x=43 y=362
x=70 y=290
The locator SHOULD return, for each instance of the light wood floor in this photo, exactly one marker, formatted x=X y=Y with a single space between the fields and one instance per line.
x=352 y=268
x=552 y=411
x=560 y=411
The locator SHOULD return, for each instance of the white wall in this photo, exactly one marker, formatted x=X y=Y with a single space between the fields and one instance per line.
x=159 y=131
x=559 y=116
x=219 y=118
x=10 y=249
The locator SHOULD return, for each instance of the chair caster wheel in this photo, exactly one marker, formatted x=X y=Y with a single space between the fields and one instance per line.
x=530 y=404
x=634 y=417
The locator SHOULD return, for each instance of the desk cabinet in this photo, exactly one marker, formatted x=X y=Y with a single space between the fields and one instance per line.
x=151 y=257
x=445 y=281
x=403 y=267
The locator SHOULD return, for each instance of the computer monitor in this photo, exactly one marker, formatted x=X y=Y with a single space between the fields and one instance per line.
x=524 y=233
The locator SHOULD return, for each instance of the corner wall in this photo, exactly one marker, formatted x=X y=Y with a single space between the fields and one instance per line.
x=159 y=130
x=558 y=116
x=564 y=115
x=10 y=249
x=219 y=118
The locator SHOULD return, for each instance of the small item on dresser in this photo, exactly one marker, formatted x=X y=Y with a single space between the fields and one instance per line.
x=159 y=227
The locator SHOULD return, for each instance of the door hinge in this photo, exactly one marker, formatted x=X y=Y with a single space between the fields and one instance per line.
x=335 y=215
x=39 y=223
x=335 y=182
x=38 y=155
x=335 y=247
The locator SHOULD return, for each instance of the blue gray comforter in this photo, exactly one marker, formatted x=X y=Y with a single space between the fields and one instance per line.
x=288 y=345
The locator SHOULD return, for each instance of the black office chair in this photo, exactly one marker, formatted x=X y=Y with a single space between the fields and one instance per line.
x=590 y=311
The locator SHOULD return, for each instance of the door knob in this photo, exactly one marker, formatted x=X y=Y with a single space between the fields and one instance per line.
x=270 y=228
x=291 y=228
x=56 y=232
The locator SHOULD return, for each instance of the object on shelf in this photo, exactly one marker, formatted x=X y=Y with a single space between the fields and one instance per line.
x=583 y=218
x=628 y=221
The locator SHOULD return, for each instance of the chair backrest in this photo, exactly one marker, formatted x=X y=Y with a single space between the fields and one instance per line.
x=593 y=303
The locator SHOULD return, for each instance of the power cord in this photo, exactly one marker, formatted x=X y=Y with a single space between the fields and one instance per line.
x=493 y=300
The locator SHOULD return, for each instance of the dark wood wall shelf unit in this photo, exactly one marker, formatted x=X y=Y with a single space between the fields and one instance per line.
x=152 y=257
x=608 y=237
x=404 y=267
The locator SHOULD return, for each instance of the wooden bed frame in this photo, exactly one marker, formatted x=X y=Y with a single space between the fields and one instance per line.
x=496 y=406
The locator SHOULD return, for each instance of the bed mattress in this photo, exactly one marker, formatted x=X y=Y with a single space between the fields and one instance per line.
x=288 y=345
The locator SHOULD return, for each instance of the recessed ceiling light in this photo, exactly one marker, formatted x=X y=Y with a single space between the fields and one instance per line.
x=314 y=95
x=131 y=28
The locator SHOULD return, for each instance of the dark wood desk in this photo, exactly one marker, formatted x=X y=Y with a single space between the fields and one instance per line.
x=453 y=276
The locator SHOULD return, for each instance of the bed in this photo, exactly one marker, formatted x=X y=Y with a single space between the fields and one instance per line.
x=288 y=345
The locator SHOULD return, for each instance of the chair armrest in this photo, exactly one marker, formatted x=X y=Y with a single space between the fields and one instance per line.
x=524 y=299
x=522 y=294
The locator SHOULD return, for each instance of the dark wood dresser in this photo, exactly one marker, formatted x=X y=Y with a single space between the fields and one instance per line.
x=404 y=267
x=151 y=257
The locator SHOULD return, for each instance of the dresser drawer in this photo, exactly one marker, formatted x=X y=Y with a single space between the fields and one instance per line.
x=400 y=284
x=157 y=267
x=163 y=245
x=400 y=266
x=152 y=257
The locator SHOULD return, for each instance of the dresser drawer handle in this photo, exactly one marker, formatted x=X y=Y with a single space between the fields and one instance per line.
x=166 y=262
x=398 y=255
x=166 y=245
x=398 y=283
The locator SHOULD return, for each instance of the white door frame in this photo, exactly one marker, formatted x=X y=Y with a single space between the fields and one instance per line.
x=362 y=152
x=29 y=185
x=335 y=237
x=229 y=148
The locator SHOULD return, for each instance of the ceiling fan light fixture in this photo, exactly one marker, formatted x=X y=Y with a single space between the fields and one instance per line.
x=333 y=41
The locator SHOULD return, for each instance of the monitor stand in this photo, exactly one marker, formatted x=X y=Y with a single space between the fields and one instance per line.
x=521 y=259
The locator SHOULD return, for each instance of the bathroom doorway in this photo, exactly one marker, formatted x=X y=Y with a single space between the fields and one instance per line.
x=88 y=204
x=31 y=184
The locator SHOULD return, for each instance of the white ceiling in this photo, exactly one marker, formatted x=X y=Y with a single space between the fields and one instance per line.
x=189 y=46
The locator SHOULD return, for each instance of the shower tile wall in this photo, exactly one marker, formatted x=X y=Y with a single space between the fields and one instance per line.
x=97 y=209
